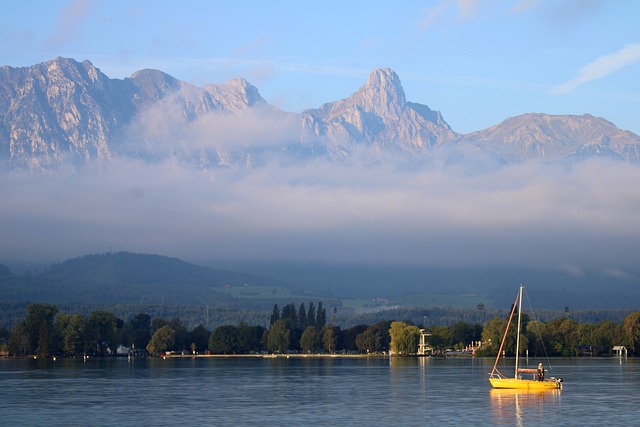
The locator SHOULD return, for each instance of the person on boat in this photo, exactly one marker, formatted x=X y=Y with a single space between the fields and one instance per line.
x=540 y=373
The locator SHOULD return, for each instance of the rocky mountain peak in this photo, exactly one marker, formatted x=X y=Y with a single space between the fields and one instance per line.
x=63 y=109
x=385 y=80
x=70 y=69
x=235 y=95
x=378 y=114
x=545 y=135
x=251 y=93
x=382 y=94
x=155 y=83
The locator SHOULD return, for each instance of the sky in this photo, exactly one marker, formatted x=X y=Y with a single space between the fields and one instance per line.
x=478 y=62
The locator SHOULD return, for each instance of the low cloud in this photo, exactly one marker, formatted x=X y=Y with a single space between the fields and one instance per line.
x=572 y=270
x=165 y=129
x=617 y=273
x=526 y=215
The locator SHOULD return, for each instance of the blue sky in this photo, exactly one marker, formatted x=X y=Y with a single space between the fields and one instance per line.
x=478 y=62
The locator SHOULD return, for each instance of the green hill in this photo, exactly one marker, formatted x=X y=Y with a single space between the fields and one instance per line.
x=128 y=278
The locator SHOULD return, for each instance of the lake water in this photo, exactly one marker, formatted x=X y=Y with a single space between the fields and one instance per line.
x=306 y=391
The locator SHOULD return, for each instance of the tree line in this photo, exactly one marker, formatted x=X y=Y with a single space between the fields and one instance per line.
x=46 y=331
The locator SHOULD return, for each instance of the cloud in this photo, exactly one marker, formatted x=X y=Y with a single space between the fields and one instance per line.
x=525 y=5
x=165 y=129
x=434 y=14
x=328 y=212
x=561 y=13
x=601 y=67
x=620 y=274
x=572 y=270
x=466 y=9
x=70 y=19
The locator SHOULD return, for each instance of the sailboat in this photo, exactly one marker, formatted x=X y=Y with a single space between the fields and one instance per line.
x=537 y=380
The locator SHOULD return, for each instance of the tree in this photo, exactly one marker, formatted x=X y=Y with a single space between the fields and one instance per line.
x=404 y=338
x=158 y=323
x=198 y=338
x=329 y=338
x=311 y=315
x=162 y=340
x=605 y=335
x=18 y=340
x=537 y=336
x=39 y=325
x=440 y=338
x=275 y=315
x=181 y=334
x=289 y=315
x=492 y=337
x=368 y=341
x=72 y=329
x=249 y=338
x=631 y=327
x=375 y=338
x=101 y=331
x=463 y=334
x=302 y=318
x=224 y=340
x=564 y=337
x=141 y=327
x=350 y=336
x=310 y=340
x=321 y=316
x=278 y=339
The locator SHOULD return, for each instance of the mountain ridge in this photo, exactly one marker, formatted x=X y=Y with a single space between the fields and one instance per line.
x=132 y=278
x=126 y=277
x=62 y=111
x=533 y=133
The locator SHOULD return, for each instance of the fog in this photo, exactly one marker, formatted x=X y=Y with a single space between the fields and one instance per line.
x=583 y=217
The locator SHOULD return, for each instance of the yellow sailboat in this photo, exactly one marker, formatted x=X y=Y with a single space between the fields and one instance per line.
x=537 y=380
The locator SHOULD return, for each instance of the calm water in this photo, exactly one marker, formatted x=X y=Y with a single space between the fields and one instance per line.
x=303 y=392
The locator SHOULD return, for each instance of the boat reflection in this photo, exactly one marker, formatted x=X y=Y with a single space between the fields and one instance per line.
x=512 y=407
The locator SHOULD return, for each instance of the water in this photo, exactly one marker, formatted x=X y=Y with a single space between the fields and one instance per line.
x=303 y=392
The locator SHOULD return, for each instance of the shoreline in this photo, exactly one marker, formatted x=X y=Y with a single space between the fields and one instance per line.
x=276 y=356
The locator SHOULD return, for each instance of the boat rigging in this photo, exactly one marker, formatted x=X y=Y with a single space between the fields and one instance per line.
x=538 y=380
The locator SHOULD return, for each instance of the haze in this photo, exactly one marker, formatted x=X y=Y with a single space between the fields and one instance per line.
x=529 y=215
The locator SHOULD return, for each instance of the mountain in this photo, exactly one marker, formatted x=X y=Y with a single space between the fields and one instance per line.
x=545 y=136
x=133 y=279
x=124 y=278
x=126 y=268
x=63 y=112
x=62 y=109
x=377 y=115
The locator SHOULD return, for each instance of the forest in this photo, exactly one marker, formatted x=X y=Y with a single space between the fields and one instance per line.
x=46 y=331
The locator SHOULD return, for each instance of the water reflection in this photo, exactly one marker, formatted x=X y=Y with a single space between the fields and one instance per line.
x=513 y=407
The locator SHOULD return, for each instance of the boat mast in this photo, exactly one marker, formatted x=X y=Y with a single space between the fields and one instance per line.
x=504 y=337
x=519 y=323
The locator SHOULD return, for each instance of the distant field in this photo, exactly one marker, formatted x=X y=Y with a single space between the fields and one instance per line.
x=422 y=300
x=260 y=292
x=360 y=304
x=440 y=300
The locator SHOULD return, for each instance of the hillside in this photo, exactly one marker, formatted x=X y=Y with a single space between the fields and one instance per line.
x=128 y=278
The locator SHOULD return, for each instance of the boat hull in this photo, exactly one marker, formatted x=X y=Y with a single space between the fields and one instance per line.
x=517 y=384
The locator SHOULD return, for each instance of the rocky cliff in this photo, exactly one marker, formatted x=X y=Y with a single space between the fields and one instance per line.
x=64 y=112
